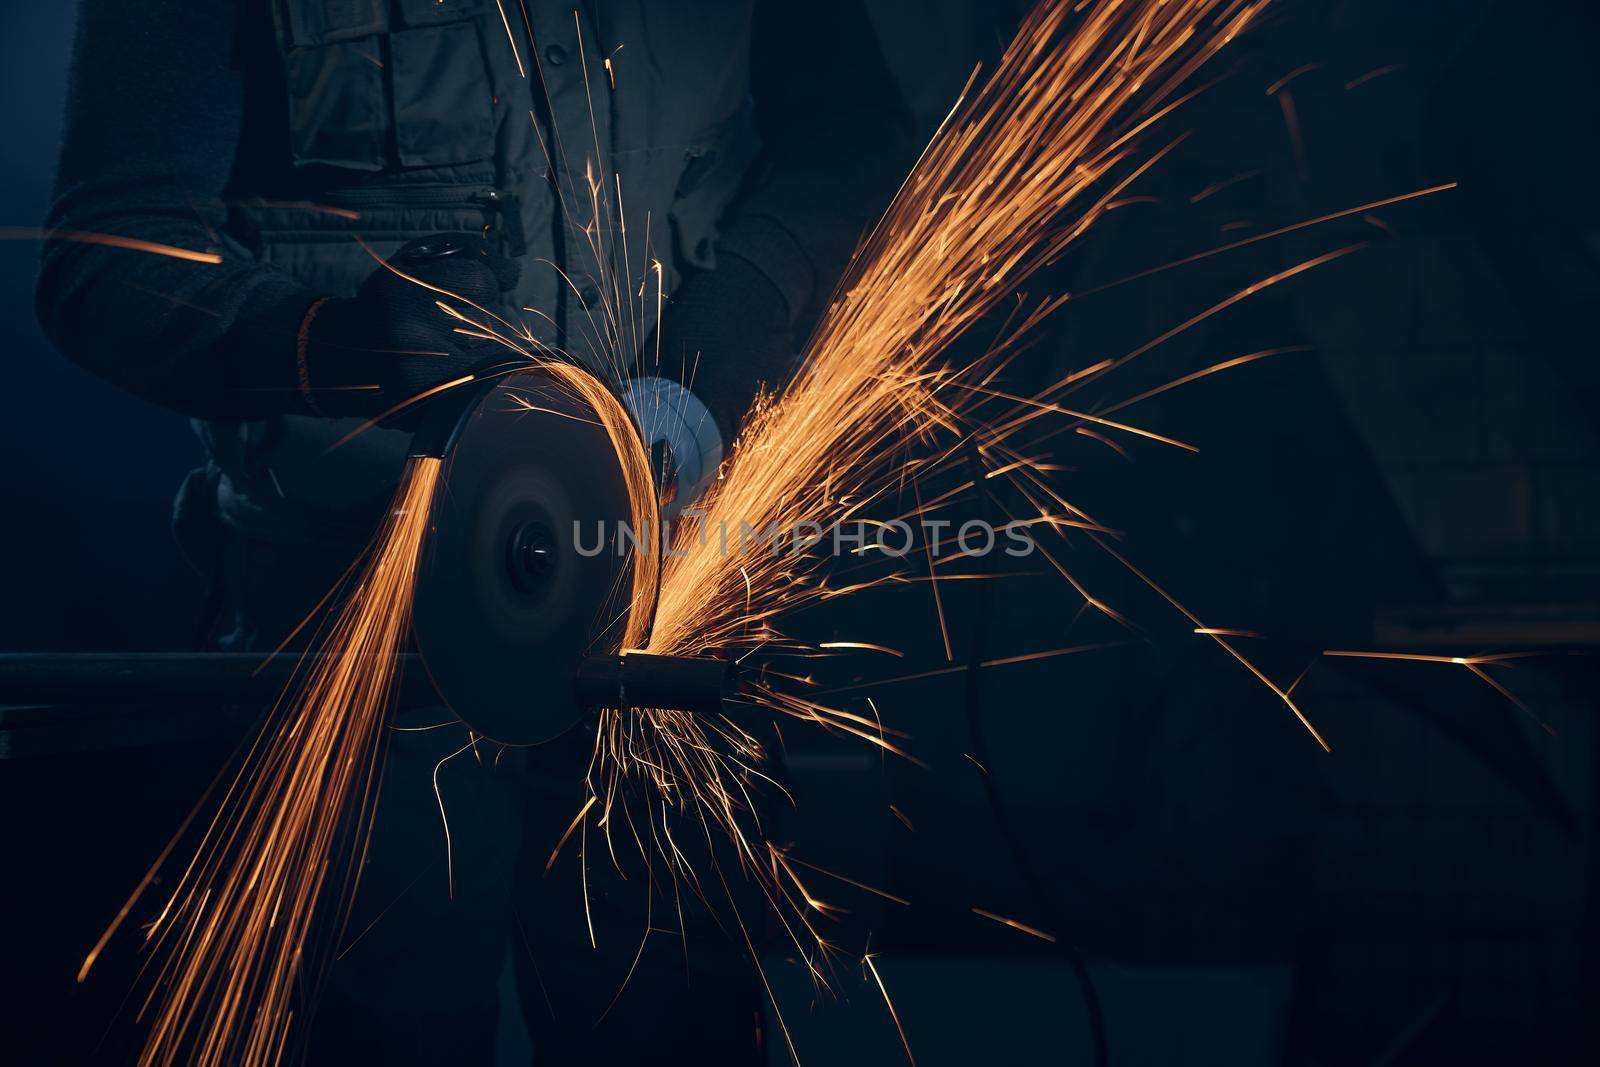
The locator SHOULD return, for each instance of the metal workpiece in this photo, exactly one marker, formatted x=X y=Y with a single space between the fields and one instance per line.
x=641 y=680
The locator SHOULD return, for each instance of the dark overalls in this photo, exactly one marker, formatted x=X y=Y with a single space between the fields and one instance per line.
x=420 y=121
x=276 y=133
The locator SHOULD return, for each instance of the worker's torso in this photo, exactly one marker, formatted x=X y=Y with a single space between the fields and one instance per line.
x=412 y=117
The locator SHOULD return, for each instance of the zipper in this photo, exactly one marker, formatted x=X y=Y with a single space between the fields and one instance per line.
x=502 y=212
x=544 y=120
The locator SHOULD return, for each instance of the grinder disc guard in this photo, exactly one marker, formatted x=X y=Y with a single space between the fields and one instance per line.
x=506 y=606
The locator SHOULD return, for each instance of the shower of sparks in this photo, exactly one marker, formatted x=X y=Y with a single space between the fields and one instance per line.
x=1022 y=168
x=237 y=942
x=1018 y=172
x=633 y=608
x=240 y=939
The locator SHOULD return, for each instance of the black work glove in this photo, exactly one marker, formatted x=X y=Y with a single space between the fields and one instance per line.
x=393 y=335
x=725 y=334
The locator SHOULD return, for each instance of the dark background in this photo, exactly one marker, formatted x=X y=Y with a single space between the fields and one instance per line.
x=1426 y=479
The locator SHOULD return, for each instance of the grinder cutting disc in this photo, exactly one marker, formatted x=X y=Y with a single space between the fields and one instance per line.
x=506 y=604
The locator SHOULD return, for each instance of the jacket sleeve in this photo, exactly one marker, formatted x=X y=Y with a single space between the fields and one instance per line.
x=154 y=114
x=838 y=141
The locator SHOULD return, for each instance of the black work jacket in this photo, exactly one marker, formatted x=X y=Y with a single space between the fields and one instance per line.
x=590 y=139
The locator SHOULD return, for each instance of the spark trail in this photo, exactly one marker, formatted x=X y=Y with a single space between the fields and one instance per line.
x=243 y=929
x=250 y=924
x=1017 y=173
x=1023 y=166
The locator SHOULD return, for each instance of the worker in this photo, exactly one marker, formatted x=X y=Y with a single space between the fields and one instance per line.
x=270 y=156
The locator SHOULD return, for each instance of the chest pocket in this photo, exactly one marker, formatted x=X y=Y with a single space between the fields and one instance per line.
x=375 y=86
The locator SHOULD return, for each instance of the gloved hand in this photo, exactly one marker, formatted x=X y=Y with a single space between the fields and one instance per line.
x=724 y=336
x=726 y=333
x=393 y=335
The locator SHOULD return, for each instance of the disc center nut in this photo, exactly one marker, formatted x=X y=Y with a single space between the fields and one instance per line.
x=531 y=556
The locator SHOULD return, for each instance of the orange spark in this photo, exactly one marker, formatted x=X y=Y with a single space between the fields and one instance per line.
x=1227 y=183
x=1031 y=931
x=1282 y=231
x=109 y=240
x=236 y=937
x=1474 y=664
x=878 y=978
x=1291 y=122
x=1370 y=75
x=1272 y=90
x=865 y=645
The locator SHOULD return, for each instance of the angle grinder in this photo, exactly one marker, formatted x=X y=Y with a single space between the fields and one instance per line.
x=540 y=559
